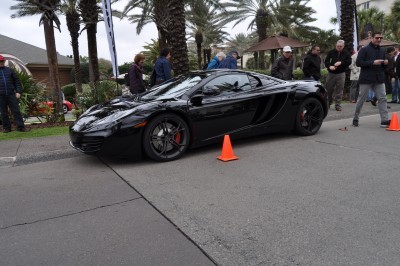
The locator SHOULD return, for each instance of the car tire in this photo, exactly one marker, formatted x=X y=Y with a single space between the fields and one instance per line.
x=166 y=138
x=65 y=108
x=309 y=117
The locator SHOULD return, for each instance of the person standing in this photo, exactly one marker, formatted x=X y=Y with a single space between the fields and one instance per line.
x=312 y=64
x=389 y=69
x=396 y=81
x=214 y=63
x=10 y=92
x=230 y=61
x=136 y=84
x=282 y=68
x=336 y=61
x=354 y=75
x=162 y=67
x=371 y=59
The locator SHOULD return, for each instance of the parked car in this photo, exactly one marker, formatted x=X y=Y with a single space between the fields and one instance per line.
x=196 y=109
x=46 y=106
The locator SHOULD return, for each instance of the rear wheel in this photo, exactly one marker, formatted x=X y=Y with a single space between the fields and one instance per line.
x=166 y=138
x=65 y=108
x=309 y=117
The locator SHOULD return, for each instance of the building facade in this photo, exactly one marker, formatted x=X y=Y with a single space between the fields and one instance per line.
x=382 y=5
x=35 y=59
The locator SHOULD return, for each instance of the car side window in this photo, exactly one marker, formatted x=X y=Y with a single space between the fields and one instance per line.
x=269 y=82
x=230 y=84
x=255 y=82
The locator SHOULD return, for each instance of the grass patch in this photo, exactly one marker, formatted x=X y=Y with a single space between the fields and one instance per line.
x=35 y=133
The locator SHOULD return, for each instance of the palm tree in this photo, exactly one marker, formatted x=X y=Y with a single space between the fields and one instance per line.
x=205 y=27
x=241 y=42
x=347 y=9
x=177 y=29
x=90 y=14
x=371 y=16
x=152 y=11
x=273 y=16
x=70 y=9
x=393 y=22
x=158 y=11
x=46 y=8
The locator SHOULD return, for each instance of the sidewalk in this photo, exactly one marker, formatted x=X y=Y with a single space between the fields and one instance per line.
x=25 y=151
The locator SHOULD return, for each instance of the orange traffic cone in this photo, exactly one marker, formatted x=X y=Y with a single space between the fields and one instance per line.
x=394 y=123
x=227 y=151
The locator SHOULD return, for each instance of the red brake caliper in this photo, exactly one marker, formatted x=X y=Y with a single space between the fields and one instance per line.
x=178 y=137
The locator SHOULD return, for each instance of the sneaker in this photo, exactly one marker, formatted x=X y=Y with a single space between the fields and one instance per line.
x=373 y=101
x=355 y=122
x=385 y=123
x=7 y=130
x=338 y=108
x=393 y=101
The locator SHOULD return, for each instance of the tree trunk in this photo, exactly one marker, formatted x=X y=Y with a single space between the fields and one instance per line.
x=180 y=59
x=261 y=22
x=347 y=33
x=53 y=68
x=94 y=75
x=162 y=22
x=72 y=19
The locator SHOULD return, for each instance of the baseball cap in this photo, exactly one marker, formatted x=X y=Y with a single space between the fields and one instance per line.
x=235 y=52
x=2 y=58
x=287 y=49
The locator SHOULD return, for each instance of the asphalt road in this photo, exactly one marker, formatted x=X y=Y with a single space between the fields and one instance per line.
x=328 y=199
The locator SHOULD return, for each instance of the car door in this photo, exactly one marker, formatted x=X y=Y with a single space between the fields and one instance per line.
x=229 y=111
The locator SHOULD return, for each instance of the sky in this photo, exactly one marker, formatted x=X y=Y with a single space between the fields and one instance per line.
x=128 y=44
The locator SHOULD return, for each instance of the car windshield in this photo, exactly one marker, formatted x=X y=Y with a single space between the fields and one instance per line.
x=173 y=88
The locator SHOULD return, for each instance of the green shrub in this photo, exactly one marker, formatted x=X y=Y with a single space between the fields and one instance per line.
x=101 y=92
x=69 y=91
x=297 y=73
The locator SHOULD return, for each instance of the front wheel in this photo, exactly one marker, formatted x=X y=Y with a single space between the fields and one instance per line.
x=309 y=117
x=166 y=138
x=65 y=108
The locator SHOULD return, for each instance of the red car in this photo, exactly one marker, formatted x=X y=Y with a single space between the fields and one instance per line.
x=67 y=106
x=47 y=106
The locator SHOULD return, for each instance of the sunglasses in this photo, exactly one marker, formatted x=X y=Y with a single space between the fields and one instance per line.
x=378 y=38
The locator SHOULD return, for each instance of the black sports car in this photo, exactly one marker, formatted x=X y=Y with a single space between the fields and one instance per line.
x=196 y=109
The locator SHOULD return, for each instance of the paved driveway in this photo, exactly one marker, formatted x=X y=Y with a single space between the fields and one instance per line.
x=329 y=199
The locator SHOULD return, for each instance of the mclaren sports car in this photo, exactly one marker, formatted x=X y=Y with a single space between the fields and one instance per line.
x=197 y=109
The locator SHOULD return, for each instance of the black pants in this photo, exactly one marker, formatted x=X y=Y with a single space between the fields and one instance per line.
x=11 y=102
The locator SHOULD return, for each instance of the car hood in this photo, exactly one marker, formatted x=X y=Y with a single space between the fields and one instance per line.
x=111 y=114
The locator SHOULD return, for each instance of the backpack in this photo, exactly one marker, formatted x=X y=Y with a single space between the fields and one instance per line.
x=127 y=79
x=205 y=66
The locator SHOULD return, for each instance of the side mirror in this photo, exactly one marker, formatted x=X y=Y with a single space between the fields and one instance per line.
x=196 y=100
x=211 y=90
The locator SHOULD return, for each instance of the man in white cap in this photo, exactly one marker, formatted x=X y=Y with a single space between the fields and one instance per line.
x=283 y=66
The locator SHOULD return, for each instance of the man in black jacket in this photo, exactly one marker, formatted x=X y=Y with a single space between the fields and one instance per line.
x=371 y=59
x=312 y=64
x=10 y=91
x=282 y=68
x=337 y=61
